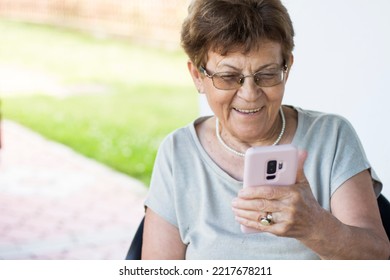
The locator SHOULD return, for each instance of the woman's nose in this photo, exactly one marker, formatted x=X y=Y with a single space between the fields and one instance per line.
x=249 y=90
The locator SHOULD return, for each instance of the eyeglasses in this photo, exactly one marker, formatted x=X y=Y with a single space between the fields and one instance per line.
x=269 y=77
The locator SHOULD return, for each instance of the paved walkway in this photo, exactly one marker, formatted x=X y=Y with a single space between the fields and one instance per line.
x=56 y=204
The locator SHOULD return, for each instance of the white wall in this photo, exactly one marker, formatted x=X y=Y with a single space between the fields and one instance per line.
x=342 y=65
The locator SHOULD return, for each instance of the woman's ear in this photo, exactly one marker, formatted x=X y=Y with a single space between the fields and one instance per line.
x=289 y=65
x=196 y=76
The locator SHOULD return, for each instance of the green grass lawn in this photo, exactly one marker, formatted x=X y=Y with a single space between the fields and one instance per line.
x=145 y=93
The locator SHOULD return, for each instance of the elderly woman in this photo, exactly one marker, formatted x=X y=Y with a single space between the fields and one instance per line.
x=240 y=56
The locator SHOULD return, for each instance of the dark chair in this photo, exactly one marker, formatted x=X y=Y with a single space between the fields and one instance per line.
x=384 y=208
x=134 y=252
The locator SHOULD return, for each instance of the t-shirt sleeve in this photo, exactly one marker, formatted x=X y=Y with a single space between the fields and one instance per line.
x=161 y=195
x=350 y=158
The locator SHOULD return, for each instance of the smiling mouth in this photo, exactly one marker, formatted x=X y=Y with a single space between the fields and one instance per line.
x=251 y=111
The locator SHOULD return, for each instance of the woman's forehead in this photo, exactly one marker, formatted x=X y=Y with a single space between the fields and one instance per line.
x=269 y=52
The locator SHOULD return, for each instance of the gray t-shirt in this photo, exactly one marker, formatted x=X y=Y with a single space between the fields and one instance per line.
x=189 y=190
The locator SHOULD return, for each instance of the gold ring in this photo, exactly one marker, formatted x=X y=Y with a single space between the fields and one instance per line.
x=266 y=221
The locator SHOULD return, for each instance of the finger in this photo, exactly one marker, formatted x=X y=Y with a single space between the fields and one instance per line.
x=255 y=204
x=248 y=214
x=302 y=155
x=255 y=224
x=261 y=192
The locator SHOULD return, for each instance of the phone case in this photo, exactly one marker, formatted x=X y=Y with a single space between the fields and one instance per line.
x=271 y=165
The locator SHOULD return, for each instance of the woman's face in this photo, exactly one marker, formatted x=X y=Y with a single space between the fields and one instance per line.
x=250 y=112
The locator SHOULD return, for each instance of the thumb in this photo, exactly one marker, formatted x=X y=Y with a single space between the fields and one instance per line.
x=302 y=155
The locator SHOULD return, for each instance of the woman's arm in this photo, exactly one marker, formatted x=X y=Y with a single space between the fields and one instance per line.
x=355 y=229
x=161 y=240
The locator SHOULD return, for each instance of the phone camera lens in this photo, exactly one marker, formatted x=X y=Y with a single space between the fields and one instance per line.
x=271 y=167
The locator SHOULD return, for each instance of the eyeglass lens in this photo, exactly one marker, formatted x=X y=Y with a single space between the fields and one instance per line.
x=226 y=81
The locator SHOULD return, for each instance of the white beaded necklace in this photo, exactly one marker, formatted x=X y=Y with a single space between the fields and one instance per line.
x=237 y=153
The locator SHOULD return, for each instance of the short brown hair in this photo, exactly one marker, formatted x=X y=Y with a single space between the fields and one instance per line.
x=225 y=25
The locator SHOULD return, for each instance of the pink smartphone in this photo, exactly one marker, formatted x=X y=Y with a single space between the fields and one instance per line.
x=271 y=165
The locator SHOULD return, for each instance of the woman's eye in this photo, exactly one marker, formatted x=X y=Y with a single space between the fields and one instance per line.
x=229 y=77
x=267 y=76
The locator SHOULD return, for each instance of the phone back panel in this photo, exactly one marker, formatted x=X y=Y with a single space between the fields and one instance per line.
x=256 y=163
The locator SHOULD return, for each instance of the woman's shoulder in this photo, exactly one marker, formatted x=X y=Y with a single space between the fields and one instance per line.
x=318 y=118
x=315 y=126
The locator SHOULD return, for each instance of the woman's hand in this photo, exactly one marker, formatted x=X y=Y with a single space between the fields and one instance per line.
x=354 y=225
x=295 y=211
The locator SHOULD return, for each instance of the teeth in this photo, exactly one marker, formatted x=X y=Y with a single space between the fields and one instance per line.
x=248 y=111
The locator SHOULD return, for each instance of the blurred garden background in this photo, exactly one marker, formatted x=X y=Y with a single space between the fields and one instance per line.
x=105 y=77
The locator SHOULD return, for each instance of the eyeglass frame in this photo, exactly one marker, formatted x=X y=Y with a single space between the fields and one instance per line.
x=241 y=81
